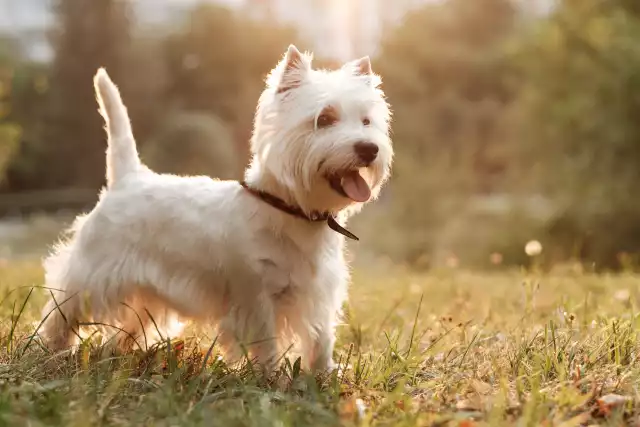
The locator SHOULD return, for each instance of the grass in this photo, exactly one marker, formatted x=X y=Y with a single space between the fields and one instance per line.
x=437 y=349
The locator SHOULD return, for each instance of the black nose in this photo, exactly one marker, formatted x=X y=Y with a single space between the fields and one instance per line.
x=366 y=151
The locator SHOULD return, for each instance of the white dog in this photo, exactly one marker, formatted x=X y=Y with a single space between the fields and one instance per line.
x=263 y=259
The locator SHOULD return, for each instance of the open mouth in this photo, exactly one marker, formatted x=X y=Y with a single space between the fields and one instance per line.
x=350 y=184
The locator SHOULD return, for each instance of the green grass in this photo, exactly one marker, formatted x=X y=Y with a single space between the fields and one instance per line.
x=444 y=348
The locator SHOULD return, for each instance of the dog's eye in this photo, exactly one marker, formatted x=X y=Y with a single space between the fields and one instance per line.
x=366 y=121
x=326 y=120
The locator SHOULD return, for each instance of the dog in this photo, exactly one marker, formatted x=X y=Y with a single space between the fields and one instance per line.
x=262 y=259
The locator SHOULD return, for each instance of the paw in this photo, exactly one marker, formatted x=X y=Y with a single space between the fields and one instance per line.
x=126 y=343
x=327 y=366
x=58 y=342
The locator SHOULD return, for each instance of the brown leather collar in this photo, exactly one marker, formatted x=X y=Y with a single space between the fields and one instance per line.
x=314 y=216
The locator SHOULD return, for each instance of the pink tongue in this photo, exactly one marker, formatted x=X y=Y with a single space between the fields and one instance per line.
x=356 y=187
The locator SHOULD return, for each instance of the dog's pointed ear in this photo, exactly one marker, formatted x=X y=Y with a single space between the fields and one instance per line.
x=292 y=70
x=362 y=66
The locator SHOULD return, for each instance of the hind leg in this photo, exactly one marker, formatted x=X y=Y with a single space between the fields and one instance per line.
x=145 y=320
x=249 y=328
x=60 y=325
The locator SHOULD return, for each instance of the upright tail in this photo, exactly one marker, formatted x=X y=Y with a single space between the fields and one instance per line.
x=122 y=154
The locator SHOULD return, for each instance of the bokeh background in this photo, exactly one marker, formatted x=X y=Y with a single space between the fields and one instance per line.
x=513 y=120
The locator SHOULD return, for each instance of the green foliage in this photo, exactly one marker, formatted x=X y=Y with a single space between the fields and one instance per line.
x=30 y=87
x=89 y=35
x=218 y=63
x=580 y=73
x=488 y=102
x=213 y=64
x=193 y=143
x=446 y=79
x=9 y=131
x=9 y=143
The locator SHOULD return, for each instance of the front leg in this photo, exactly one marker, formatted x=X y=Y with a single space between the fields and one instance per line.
x=321 y=351
x=317 y=325
x=316 y=332
x=249 y=327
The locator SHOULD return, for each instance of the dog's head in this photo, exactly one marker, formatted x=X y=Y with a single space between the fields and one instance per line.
x=323 y=135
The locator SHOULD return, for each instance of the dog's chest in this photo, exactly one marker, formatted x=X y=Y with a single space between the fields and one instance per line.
x=287 y=270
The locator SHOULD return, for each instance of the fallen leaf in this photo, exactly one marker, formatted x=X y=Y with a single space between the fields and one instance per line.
x=609 y=402
x=178 y=346
x=353 y=409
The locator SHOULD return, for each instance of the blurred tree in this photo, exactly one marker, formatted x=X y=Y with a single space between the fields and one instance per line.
x=89 y=34
x=193 y=144
x=9 y=130
x=161 y=77
x=30 y=84
x=218 y=62
x=9 y=142
x=580 y=72
x=447 y=80
x=144 y=83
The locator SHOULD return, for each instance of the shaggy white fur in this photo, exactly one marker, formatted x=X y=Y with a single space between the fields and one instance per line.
x=157 y=248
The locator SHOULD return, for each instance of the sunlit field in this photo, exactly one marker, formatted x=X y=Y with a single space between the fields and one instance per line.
x=443 y=348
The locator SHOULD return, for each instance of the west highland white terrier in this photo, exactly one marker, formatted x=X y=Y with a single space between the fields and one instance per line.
x=262 y=259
